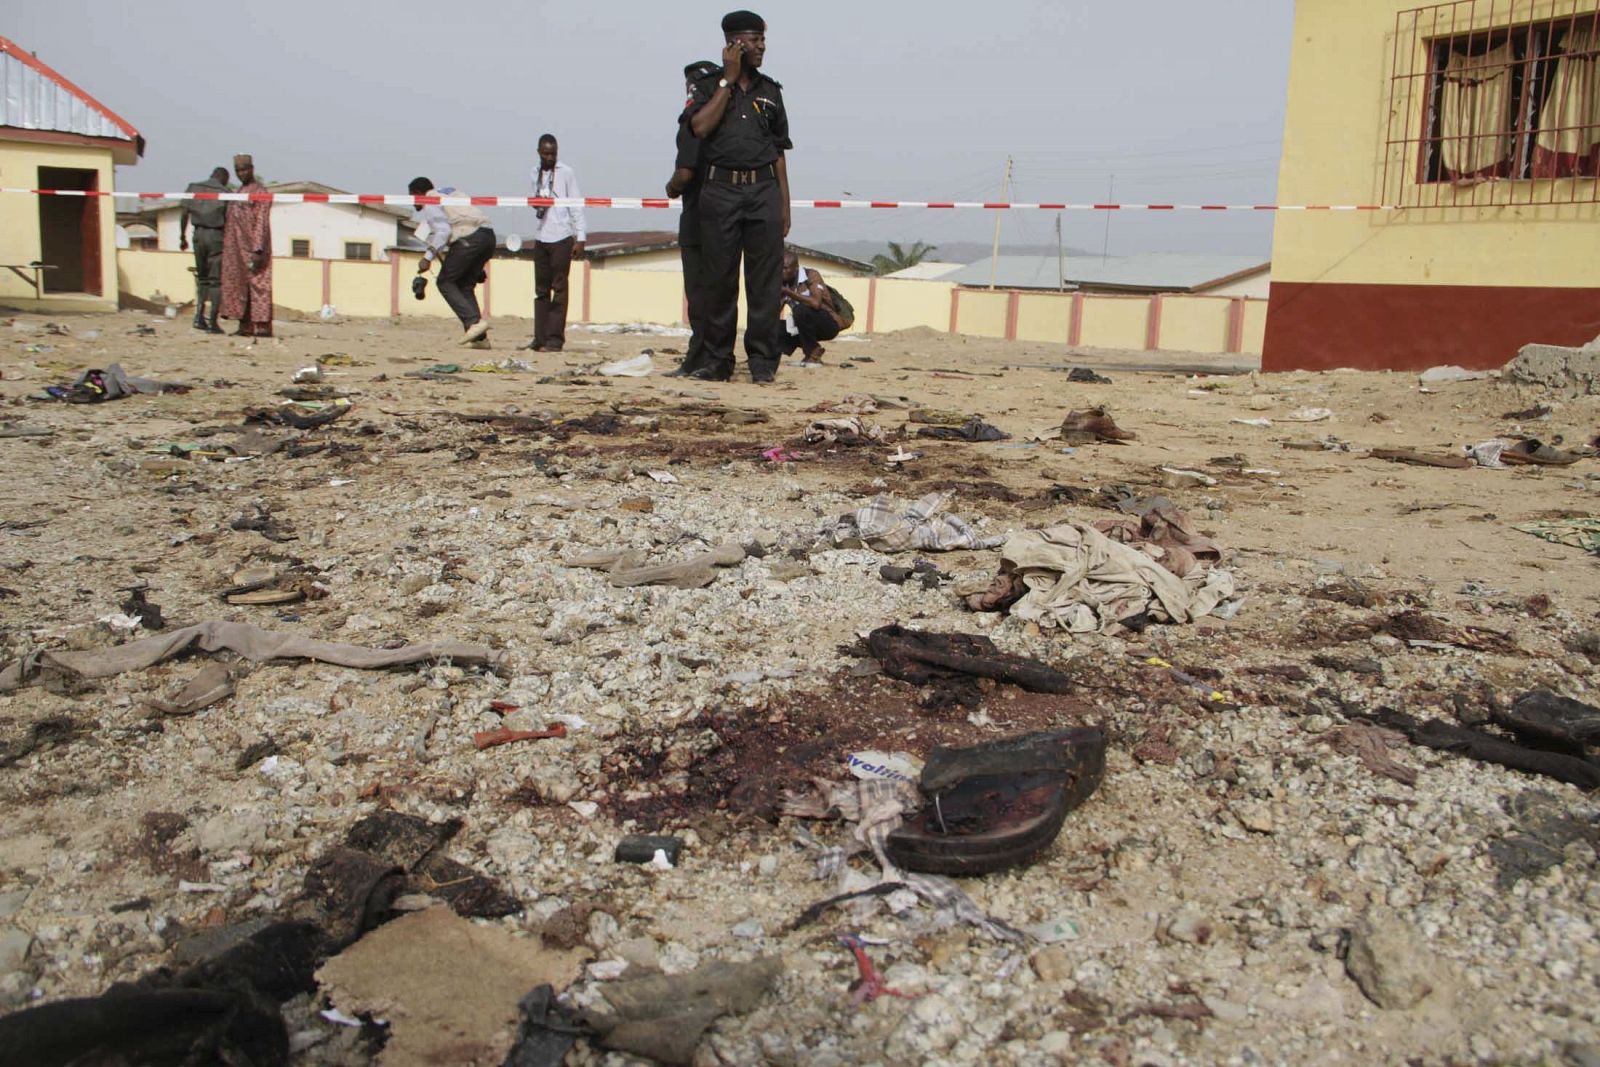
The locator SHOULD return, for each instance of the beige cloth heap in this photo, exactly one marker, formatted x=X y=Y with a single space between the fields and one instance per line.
x=1079 y=580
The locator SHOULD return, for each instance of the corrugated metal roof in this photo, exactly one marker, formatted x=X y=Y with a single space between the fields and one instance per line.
x=35 y=97
x=1170 y=271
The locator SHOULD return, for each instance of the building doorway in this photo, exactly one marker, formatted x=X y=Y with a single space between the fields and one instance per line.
x=69 y=232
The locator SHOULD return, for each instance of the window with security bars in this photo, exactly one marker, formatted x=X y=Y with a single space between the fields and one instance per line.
x=1501 y=92
x=357 y=250
x=300 y=248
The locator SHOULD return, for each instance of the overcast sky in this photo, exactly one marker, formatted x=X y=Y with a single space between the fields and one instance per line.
x=1179 y=100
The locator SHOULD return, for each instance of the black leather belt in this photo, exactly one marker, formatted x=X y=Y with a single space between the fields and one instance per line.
x=741 y=177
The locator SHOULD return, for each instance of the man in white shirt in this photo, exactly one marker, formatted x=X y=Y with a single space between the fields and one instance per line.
x=561 y=236
x=462 y=238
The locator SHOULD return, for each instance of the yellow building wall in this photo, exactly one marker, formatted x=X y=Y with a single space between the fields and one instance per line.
x=1334 y=153
x=513 y=287
x=19 y=222
x=1044 y=317
x=1254 y=337
x=358 y=289
x=981 y=313
x=296 y=283
x=164 y=277
x=1115 y=321
x=1194 y=324
x=856 y=290
x=904 y=304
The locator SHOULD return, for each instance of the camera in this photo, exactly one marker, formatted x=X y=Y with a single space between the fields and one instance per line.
x=419 y=287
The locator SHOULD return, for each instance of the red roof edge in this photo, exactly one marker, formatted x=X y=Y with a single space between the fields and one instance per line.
x=11 y=47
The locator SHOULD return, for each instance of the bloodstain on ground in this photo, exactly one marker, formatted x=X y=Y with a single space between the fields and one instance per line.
x=741 y=761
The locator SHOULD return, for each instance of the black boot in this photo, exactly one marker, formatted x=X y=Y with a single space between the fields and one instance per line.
x=199 y=318
x=211 y=326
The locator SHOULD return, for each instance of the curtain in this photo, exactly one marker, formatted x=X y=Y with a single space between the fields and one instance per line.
x=1568 y=142
x=1475 y=115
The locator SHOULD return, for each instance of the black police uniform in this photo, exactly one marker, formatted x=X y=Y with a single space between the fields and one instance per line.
x=689 y=247
x=741 y=213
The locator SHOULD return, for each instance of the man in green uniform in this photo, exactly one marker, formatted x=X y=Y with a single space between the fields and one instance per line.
x=208 y=217
x=743 y=128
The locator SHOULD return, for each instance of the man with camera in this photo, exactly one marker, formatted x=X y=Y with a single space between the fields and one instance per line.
x=461 y=237
x=743 y=128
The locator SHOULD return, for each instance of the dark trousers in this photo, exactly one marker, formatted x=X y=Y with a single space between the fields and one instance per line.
x=552 y=262
x=742 y=221
x=694 y=283
x=813 y=324
x=463 y=267
x=207 y=245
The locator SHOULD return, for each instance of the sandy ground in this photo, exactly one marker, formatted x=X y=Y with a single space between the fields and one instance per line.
x=418 y=525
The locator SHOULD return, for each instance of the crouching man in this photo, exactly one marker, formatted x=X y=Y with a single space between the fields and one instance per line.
x=461 y=238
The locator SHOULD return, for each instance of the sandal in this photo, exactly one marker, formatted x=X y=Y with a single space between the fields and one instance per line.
x=998 y=805
x=1537 y=454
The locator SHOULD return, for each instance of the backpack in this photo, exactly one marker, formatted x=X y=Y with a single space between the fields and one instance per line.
x=846 y=310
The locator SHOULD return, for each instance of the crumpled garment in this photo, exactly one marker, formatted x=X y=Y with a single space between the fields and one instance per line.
x=1488 y=454
x=1574 y=533
x=851 y=404
x=878 y=807
x=1079 y=580
x=113 y=383
x=974 y=429
x=924 y=527
x=251 y=642
x=850 y=431
x=1179 y=546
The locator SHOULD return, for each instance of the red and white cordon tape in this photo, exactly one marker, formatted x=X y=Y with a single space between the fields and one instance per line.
x=635 y=203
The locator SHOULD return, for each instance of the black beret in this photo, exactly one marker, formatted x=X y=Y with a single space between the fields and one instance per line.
x=743 y=22
x=701 y=68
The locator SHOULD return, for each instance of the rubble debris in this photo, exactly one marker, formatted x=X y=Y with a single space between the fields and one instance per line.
x=495 y=738
x=547 y=1032
x=1371 y=744
x=1489 y=748
x=1581 y=533
x=1091 y=426
x=850 y=432
x=1388 y=964
x=629 y=570
x=169 y=1026
x=251 y=642
x=1543 y=715
x=1543 y=829
x=869 y=985
x=642 y=848
x=450 y=990
x=1085 y=376
x=974 y=429
x=1568 y=372
x=921 y=658
x=1418 y=459
x=213 y=684
x=663 y=1017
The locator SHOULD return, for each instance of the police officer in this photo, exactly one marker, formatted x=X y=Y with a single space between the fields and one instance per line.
x=685 y=183
x=208 y=217
x=739 y=117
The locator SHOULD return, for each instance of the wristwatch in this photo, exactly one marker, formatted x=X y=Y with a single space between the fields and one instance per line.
x=722 y=83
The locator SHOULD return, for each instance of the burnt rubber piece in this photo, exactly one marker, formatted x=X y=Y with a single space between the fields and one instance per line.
x=1487 y=748
x=169 y=1028
x=642 y=848
x=1543 y=715
x=919 y=658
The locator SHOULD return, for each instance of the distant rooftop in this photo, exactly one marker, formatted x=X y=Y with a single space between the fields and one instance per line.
x=1150 y=272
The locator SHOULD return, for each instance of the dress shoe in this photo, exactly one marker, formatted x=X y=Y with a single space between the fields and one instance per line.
x=706 y=374
x=679 y=372
x=763 y=379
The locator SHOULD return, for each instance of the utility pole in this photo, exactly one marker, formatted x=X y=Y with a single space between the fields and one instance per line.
x=1061 y=256
x=1111 y=198
x=1005 y=197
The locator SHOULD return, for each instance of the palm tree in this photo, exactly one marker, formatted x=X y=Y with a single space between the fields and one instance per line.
x=900 y=258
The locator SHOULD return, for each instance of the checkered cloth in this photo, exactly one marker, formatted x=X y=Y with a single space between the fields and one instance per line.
x=924 y=527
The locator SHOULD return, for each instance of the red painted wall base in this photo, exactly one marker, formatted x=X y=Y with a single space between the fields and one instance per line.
x=1314 y=326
